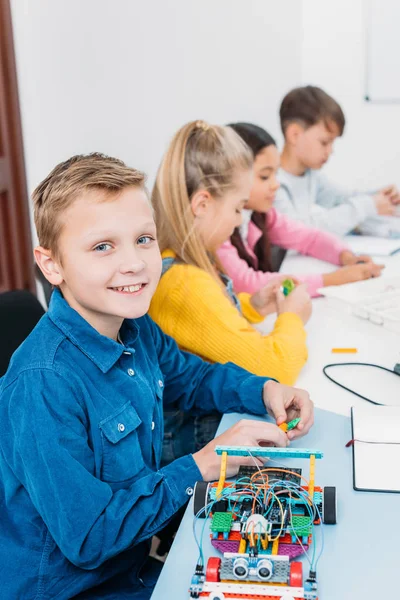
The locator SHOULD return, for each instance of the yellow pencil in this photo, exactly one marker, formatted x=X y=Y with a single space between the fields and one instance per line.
x=344 y=350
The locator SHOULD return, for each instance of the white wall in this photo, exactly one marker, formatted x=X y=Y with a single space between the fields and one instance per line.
x=120 y=76
x=333 y=57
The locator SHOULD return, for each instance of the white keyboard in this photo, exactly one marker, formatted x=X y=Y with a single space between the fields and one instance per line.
x=382 y=308
x=377 y=300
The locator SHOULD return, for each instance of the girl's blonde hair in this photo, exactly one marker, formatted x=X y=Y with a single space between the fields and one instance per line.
x=200 y=156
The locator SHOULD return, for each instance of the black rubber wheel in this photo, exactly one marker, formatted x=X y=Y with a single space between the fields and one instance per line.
x=200 y=498
x=329 y=506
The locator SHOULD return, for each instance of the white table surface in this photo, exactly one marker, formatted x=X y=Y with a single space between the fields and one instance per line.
x=330 y=327
x=360 y=551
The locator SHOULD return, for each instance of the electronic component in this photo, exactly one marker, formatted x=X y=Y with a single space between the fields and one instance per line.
x=260 y=523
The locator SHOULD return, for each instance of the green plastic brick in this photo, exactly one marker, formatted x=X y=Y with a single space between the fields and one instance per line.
x=221 y=522
x=287 y=286
x=292 y=424
x=300 y=526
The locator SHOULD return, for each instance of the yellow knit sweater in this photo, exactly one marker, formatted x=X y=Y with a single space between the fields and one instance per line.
x=190 y=306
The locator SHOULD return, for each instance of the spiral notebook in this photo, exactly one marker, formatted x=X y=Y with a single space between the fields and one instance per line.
x=376 y=448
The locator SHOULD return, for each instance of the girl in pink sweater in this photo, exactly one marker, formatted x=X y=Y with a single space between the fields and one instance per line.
x=256 y=249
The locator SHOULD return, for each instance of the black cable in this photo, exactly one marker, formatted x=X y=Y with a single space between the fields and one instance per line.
x=395 y=371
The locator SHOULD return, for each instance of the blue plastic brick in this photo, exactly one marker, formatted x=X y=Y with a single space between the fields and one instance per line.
x=317 y=497
x=268 y=451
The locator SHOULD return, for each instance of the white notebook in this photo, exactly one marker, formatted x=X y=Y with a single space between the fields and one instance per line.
x=376 y=448
x=374 y=246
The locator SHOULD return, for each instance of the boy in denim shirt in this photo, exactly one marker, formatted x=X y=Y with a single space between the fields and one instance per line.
x=81 y=488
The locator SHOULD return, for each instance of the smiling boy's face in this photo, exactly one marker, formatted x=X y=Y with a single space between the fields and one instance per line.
x=110 y=263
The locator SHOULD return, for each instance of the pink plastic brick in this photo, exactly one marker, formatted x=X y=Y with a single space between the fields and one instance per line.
x=291 y=550
x=226 y=545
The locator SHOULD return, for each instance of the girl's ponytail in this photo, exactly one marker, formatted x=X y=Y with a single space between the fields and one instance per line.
x=200 y=156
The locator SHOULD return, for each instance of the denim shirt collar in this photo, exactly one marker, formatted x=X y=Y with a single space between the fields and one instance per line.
x=102 y=351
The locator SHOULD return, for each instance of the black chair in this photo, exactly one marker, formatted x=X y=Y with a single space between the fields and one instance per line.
x=20 y=310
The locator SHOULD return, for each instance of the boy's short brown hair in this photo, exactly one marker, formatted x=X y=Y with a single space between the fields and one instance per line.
x=309 y=105
x=71 y=178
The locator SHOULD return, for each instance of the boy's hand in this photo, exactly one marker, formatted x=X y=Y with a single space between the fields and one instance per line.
x=384 y=206
x=392 y=193
x=244 y=433
x=352 y=273
x=298 y=302
x=347 y=257
x=286 y=403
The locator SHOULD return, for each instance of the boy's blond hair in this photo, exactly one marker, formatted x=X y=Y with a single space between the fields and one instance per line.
x=70 y=179
x=200 y=157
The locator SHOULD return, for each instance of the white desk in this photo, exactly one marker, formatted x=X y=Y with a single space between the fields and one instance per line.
x=331 y=327
x=360 y=557
x=361 y=551
x=296 y=264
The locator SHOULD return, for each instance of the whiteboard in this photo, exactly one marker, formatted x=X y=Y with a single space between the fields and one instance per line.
x=383 y=50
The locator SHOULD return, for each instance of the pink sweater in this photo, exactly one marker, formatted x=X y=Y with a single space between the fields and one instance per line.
x=289 y=234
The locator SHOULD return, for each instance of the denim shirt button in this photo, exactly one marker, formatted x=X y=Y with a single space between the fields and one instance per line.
x=121 y=427
x=152 y=425
x=131 y=372
x=160 y=383
x=189 y=491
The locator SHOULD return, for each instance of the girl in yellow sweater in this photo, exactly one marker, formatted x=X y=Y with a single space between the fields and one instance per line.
x=202 y=185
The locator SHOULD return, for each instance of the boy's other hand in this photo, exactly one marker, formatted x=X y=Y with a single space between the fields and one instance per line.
x=286 y=403
x=384 y=206
x=245 y=432
x=392 y=193
x=351 y=273
x=298 y=302
x=347 y=257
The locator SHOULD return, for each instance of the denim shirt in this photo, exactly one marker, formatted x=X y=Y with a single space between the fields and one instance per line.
x=81 y=429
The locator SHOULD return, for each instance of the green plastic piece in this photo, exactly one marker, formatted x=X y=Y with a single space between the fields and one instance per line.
x=288 y=285
x=301 y=526
x=221 y=522
x=292 y=424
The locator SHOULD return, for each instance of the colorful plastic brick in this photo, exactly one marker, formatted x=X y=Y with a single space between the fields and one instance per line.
x=268 y=451
x=288 y=426
x=275 y=546
x=222 y=473
x=288 y=286
x=221 y=522
x=301 y=526
x=292 y=424
x=311 y=483
x=227 y=546
x=292 y=550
